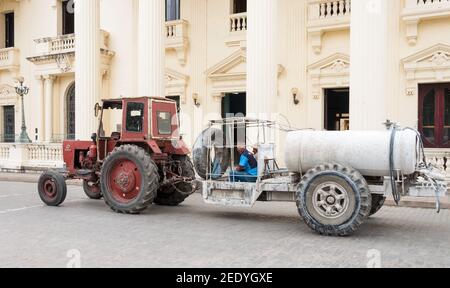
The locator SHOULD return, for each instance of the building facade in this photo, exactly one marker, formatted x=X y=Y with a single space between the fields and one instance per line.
x=322 y=64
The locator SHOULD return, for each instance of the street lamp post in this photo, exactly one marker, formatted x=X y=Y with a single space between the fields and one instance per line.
x=22 y=90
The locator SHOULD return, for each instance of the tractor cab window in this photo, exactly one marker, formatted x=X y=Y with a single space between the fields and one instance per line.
x=164 y=123
x=135 y=117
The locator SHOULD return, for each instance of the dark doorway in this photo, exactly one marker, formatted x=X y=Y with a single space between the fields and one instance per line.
x=337 y=109
x=235 y=105
x=68 y=17
x=239 y=6
x=9 y=30
x=9 y=124
x=434 y=115
x=70 y=102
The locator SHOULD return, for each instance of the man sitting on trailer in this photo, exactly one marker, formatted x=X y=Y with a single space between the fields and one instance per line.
x=247 y=170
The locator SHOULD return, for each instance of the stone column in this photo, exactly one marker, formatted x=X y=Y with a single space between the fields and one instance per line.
x=369 y=64
x=261 y=57
x=41 y=108
x=151 y=48
x=48 y=102
x=87 y=75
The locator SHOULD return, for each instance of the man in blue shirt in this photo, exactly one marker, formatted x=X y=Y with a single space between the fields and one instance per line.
x=247 y=170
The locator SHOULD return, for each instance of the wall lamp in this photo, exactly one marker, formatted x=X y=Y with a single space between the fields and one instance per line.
x=295 y=93
x=196 y=99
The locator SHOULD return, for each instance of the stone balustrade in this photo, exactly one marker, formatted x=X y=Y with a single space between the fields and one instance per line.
x=238 y=22
x=177 y=38
x=9 y=59
x=324 y=16
x=64 y=44
x=416 y=11
x=439 y=159
x=20 y=157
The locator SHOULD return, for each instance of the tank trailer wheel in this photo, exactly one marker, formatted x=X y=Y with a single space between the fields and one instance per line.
x=129 y=180
x=377 y=203
x=334 y=200
x=92 y=190
x=175 y=195
x=52 y=188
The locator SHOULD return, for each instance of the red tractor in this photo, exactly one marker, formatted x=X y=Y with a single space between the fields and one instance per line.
x=144 y=162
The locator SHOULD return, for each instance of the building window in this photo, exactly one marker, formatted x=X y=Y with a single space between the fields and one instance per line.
x=172 y=10
x=68 y=17
x=70 y=102
x=135 y=117
x=9 y=124
x=434 y=115
x=239 y=6
x=9 y=30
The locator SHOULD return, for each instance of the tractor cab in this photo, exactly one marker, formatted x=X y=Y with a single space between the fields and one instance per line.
x=138 y=119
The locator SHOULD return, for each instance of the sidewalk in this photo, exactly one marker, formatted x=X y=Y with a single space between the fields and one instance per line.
x=28 y=178
x=410 y=202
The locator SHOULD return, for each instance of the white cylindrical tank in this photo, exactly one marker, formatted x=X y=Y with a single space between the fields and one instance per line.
x=365 y=151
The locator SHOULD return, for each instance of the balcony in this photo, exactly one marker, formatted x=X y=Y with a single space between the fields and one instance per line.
x=326 y=15
x=9 y=59
x=57 y=54
x=177 y=39
x=416 y=11
x=63 y=44
x=237 y=28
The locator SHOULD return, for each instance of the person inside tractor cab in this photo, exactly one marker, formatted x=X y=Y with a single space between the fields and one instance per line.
x=247 y=170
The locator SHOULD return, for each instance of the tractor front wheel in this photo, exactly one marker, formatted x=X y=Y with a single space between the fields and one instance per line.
x=52 y=188
x=92 y=190
x=129 y=180
x=176 y=194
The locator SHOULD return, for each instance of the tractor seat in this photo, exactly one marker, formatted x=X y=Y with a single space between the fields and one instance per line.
x=115 y=136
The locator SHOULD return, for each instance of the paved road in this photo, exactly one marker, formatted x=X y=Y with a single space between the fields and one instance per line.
x=85 y=232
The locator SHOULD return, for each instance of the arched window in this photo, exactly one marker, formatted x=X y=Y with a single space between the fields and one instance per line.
x=70 y=108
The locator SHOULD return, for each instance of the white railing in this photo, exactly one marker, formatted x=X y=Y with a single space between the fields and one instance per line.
x=45 y=153
x=326 y=9
x=176 y=29
x=238 y=22
x=439 y=159
x=9 y=57
x=63 y=44
x=425 y=3
x=177 y=38
x=4 y=151
x=19 y=157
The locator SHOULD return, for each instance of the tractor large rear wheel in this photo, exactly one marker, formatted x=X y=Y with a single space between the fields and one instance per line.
x=334 y=200
x=129 y=180
x=175 y=194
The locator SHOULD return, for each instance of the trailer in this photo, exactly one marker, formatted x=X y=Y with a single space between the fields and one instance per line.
x=337 y=179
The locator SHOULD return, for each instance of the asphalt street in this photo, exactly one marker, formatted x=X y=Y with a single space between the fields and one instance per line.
x=85 y=233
